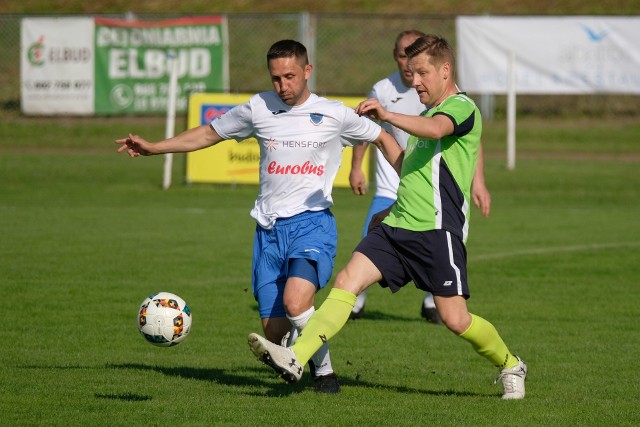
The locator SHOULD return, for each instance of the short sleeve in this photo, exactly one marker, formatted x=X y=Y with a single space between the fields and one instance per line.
x=236 y=123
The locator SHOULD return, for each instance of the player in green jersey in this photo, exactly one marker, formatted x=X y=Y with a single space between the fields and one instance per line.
x=422 y=239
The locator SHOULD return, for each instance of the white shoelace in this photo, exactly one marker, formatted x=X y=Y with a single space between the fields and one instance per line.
x=508 y=378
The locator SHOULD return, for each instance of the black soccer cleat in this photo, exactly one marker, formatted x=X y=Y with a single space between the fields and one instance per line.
x=430 y=314
x=357 y=314
x=326 y=384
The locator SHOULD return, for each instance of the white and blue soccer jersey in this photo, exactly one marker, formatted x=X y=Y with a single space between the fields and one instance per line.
x=397 y=98
x=300 y=150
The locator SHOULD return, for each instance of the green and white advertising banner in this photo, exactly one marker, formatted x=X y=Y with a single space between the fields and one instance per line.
x=132 y=62
x=86 y=66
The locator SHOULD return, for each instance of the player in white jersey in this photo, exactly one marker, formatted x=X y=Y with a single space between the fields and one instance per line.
x=301 y=138
x=300 y=150
x=397 y=95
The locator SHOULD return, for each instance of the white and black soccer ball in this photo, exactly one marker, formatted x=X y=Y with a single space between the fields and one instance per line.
x=164 y=319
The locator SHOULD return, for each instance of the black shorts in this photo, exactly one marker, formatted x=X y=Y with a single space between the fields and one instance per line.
x=435 y=260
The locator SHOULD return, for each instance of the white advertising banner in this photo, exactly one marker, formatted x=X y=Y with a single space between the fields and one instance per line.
x=98 y=66
x=551 y=55
x=57 y=66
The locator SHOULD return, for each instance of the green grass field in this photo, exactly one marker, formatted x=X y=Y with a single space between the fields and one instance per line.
x=88 y=234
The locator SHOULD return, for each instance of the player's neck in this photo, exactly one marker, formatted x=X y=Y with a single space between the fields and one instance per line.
x=451 y=89
x=303 y=98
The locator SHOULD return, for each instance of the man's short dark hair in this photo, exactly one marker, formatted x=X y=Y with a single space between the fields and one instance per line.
x=288 y=49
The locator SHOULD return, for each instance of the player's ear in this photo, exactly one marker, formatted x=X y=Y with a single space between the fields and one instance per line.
x=308 y=69
x=445 y=69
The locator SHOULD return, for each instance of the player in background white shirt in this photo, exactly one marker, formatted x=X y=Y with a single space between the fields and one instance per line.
x=397 y=95
x=301 y=137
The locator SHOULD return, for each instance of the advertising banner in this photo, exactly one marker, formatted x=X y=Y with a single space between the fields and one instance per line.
x=86 y=66
x=132 y=72
x=57 y=66
x=232 y=162
x=552 y=55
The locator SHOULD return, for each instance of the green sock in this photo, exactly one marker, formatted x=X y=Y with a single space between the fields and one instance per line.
x=324 y=324
x=485 y=340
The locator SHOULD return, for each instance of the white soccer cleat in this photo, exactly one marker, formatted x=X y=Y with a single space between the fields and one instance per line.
x=281 y=359
x=513 y=380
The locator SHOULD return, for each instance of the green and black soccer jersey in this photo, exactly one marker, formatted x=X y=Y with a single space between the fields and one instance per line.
x=435 y=183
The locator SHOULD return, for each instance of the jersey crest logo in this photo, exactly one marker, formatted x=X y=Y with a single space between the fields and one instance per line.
x=316 y=118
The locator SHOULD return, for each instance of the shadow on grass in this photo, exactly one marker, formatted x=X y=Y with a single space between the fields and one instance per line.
x=351 y=382
x=251 y=378
x=232 y=379
x=221 y=376
x=128 y=397
x=381 y=315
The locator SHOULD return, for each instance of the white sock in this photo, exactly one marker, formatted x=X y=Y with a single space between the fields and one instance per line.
x=428 y=301
x=359 y=302
x=291 y=337
x=321 y=359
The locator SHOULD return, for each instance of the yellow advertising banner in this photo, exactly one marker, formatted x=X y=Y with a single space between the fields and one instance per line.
x=231 y=162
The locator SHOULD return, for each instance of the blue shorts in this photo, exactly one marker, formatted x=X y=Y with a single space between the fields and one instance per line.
x=309 y=235
x=378 y=204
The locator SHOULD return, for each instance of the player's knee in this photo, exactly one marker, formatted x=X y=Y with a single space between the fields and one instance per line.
x=345 y=282
x=353 y=283
x=456 y=322
x=295 y=308
x=297 y=304
x=341 y=279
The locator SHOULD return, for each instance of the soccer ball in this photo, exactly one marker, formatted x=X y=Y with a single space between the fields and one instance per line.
x=164 y=319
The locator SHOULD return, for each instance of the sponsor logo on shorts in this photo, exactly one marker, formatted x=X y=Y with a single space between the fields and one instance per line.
x=447 y=283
